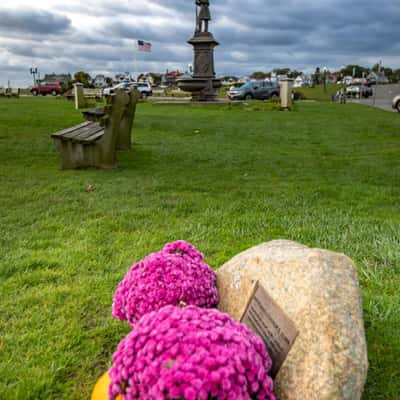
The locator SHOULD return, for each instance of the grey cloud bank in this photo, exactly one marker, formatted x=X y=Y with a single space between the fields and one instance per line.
x=32 y=22
x=98 y=36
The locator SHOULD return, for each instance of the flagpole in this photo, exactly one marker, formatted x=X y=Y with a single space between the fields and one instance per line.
x=135 y=53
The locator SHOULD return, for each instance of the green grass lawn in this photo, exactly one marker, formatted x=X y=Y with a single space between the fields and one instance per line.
x=326 y=175
x=319 y=92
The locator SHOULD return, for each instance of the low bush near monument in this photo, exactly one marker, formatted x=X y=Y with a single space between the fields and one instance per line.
x=193 y=354
x=176 y=274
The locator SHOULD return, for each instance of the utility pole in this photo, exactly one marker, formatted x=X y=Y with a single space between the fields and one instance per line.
x=377 y=79
x=325 y=71
x=39 y=81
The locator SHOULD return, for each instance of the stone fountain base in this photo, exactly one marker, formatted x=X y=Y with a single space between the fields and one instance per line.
x=202 y=89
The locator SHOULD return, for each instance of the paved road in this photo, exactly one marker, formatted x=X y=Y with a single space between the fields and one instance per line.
x=384 y=97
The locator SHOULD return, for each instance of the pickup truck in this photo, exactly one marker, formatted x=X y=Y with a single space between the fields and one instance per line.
x=359 y=90
x=44 y=88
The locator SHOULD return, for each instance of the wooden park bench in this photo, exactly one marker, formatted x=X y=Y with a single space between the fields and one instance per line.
x=14 y=92
x=125 y=131
x=93 y=93
x=88 y=93
x=94 y=143
x=8 y=92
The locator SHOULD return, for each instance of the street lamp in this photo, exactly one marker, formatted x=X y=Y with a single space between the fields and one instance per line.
x=34 y=72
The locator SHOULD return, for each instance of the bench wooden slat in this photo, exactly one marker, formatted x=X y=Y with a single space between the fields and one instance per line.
x=94 y=114
x=83 y=132
x=92 y=93
x=70 y=129
x=88 y=134
x=94 y=137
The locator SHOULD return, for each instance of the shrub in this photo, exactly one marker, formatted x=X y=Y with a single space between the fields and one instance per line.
x=171 y=276
x=192 y=354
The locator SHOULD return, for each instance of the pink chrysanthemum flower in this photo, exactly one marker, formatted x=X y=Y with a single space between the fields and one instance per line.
x=175 y=275
x=191 y=354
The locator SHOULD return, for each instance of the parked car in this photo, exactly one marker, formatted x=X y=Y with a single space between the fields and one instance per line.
x=44 y=88
x=255 y=90
x=123 y=85
x=359 y=90
x=396 y=103
x=144 y=88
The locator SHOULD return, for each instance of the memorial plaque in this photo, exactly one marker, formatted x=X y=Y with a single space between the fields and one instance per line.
x=264 y=316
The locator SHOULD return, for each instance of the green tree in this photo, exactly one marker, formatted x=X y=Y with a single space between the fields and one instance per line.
x=259 y=75
x=281 y=71
x=156 y=78
x=376 y=67
x=294 y=74
x=388 y=73
x=359 y=71
x=84 y=78
x=396 y=75
x=230 y=78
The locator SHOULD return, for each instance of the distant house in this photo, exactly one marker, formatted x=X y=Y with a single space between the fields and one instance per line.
x=151 y=77
x=378 y=77
x=122 y=77
x=302 y=81
x=244 y=79
x=335 y=76
x=277 y=78
x=331 y=78
x=170 y=77
x=230 y=80
x=147 y=78
x=61 y=78
x=100 y=81
x=347 y=80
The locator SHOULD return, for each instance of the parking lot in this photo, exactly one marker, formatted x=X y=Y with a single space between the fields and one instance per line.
x=383 y=97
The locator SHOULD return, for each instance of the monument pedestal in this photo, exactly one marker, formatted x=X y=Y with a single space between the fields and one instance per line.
x=203 y=83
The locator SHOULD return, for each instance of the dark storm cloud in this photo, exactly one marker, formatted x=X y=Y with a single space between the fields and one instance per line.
x=32 y=21
x=98 y=35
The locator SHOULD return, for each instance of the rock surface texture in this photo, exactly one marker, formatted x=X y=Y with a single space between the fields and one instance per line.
x=319 y=291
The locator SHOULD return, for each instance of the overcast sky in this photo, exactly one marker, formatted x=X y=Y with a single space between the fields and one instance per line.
x=98 y=35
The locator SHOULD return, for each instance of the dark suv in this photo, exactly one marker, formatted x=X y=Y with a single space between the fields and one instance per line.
x=53 y=88
x=255 y=90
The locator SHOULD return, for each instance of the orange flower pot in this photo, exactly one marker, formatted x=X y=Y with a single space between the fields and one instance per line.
x=100 y=391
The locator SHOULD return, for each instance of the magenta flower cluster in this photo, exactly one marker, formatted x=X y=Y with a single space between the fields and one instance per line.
x=193 y=354
x=171 y=276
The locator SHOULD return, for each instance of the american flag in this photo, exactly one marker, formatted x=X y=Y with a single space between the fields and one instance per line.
x=144 y=46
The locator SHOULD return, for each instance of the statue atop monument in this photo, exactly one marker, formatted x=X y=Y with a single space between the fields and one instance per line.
x=203 y=83
x=203 y=15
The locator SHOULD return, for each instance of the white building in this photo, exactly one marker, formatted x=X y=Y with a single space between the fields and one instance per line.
x=378 y=77
x=123 y=77
x=347 y=80
x=302 y=81
x=100 y=81
x=244 y=79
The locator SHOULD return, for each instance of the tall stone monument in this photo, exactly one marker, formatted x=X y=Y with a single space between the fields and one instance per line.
x=203 y=83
